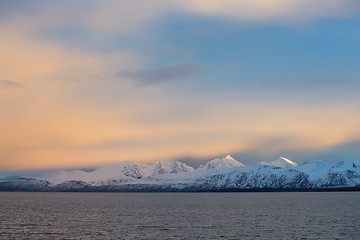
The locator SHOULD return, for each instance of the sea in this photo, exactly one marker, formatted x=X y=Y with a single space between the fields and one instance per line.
x=271 y=215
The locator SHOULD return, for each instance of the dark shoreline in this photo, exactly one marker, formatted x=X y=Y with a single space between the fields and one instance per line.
x=102 y=190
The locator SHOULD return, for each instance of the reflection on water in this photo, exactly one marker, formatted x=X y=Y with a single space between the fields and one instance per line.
x=324 y=215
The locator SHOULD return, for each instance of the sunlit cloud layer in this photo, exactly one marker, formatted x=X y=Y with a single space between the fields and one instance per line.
x=264 y=10
x=81 y=85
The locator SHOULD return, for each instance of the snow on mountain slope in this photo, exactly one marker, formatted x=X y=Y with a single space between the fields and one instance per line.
x=226 y=162
x=169 y=167
x=315 y=174
x=60 y=176
x=173 y=175
x=341 y=173
x=25 y=184
x=117 y=172
x=121 y=171
x=281 y=162
x=251 y=177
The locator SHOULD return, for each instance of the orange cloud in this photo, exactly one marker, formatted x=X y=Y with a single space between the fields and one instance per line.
x=74 y=110
x=55 y=135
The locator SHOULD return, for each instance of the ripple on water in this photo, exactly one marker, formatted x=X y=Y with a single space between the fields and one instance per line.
x=180 y=215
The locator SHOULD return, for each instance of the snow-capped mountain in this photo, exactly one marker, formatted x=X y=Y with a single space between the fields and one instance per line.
x=117 y=172
x=331 y=174
x=226 y=162
x=311 y=175
x=281 y=162
x=169 y=167
x=177 y=176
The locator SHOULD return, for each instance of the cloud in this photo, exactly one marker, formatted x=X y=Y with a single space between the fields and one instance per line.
x=306 y=84
x=127 y=17
x=9 y=84
x=35 y=58
x=263 y=10
x=101 y=119
x=174 y=72
x=336 y=152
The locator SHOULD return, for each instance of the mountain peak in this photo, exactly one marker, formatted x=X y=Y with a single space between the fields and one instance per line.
x=226 y=162
x=289 y=161
x=229 y=157
x=281 y=162
x=171 y=166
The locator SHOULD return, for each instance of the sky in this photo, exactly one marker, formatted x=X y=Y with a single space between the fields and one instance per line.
x=84 y=83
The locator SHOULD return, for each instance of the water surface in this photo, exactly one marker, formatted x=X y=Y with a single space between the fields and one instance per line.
x=325 y=215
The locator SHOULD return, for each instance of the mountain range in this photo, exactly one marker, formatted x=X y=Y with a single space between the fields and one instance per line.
x=220 y=174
